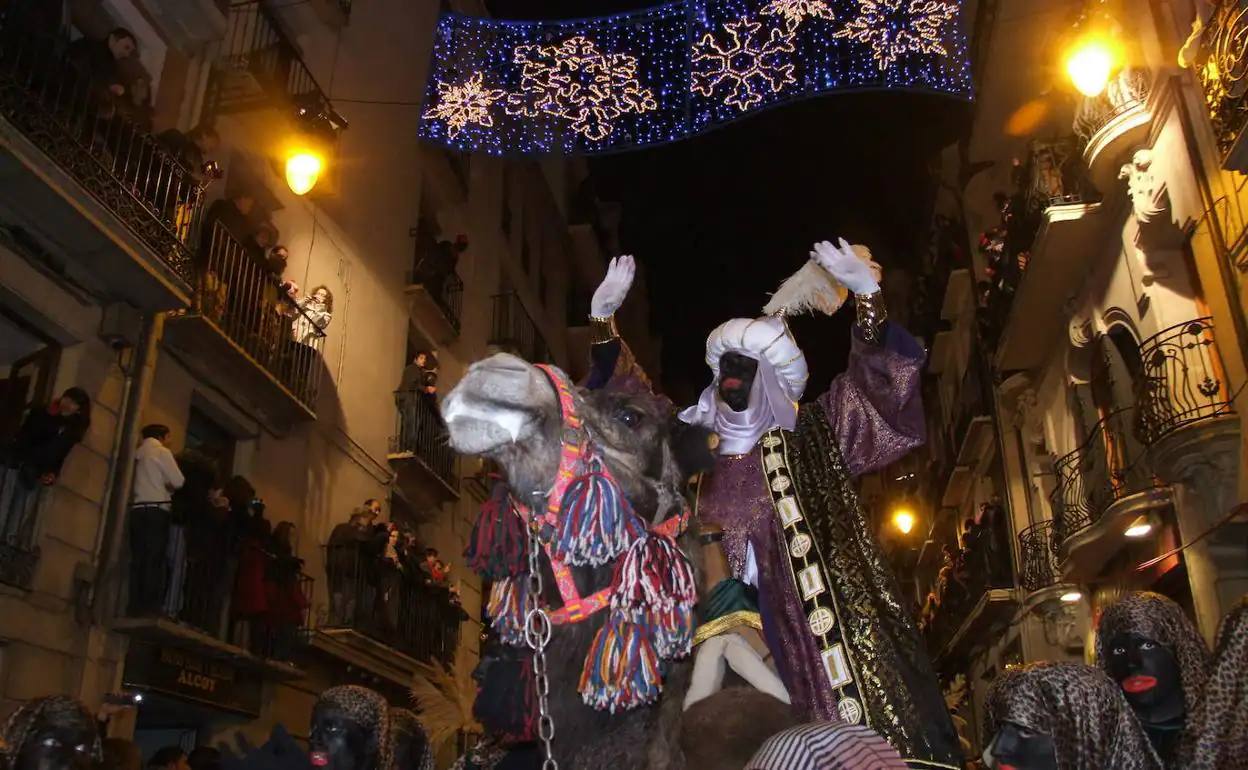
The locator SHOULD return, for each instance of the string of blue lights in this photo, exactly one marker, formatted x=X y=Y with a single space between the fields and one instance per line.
x=664 y=73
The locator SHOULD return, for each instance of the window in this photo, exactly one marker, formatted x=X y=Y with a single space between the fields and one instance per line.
x=206 y=436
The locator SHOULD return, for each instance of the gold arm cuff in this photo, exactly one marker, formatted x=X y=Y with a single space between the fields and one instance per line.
x=725 y=623
x=602 y=329
x=871 y=315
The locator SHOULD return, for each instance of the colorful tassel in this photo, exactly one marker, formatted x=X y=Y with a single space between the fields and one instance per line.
x=671 y=631
x=621 y=669
x=596 y=523
x=506 y=609
x=653 y=576
x=497 y=547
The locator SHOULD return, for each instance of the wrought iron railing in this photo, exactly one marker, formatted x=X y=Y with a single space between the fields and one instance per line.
x=1222 y=66
x=1125 y=92
x=1109 y=465
x=1183 y=380
x=253 y=308
x=1054 y=175
x=391 y=600
x=514 y=329
x=229 y=587
x=20 y=497
x=1037 y=547
x=256 y=45
x=445 y=288
x=70 y=114
x=421 y=433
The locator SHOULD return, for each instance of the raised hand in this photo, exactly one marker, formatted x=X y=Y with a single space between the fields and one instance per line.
x=843 y=264
x=614 y=288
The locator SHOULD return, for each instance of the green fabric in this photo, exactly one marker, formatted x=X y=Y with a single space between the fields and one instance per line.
x=728 y=596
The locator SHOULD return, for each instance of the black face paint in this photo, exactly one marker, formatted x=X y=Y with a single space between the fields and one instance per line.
x=1149 y=676
x=736 y=377
x=338 y=742
x=1016 y=748
x=50 y=746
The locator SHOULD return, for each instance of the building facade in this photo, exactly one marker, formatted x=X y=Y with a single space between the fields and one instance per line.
x=125 y=274
x=1081 y=298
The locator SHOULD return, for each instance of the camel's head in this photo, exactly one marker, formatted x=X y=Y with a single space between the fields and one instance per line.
x=507 y=410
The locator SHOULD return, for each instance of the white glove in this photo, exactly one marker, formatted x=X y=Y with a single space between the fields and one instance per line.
x=614 y=288
x=843 y=264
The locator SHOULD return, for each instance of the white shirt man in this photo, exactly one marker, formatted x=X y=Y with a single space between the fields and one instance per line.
x=156 y=472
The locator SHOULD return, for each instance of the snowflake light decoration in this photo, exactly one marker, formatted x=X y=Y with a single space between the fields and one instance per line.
x=747 y=63
x=575 y=81
x=468 y=102
x=794 y=12
x=894 y=28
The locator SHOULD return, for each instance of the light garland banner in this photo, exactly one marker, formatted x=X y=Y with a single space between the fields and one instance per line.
x=658 y=75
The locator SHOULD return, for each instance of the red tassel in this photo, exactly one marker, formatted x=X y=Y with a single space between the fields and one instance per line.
x=653 y=575
x=497 y=546
x=506 y=609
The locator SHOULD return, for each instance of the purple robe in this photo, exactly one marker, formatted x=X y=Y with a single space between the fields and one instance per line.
x=876 y=414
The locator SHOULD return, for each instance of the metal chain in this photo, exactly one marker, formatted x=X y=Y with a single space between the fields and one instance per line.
x=537 y=635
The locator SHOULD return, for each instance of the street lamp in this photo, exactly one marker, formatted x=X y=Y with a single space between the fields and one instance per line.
x=303 y=168
x=903 y=520
x=1091 y=63
x=1070 y=597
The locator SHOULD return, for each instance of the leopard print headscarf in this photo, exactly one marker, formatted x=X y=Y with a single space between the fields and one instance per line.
x=404 y=725
x=57 y=709
x=1220 y=724
x=368 y=709
x=1160 y=619
x=1080 y=708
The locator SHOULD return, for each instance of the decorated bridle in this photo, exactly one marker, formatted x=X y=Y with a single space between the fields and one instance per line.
x=587 y=521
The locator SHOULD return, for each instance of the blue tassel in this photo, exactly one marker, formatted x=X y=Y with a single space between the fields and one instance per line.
x=506 y=609
x=597 y=522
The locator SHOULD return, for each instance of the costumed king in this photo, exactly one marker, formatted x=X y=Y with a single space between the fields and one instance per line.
x=782 y=492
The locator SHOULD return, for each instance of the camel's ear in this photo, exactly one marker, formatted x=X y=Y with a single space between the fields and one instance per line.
x=693 y=447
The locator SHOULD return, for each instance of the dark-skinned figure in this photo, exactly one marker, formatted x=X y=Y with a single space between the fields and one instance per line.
x=1155 y=654
x=53 y=733
x=1062 y=716
x=781 y=491
x=350 y=730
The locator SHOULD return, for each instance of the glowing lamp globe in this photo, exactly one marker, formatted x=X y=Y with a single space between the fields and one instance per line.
x=1070 y=597
x=302 y=170
x=903 y=520
x=1090 y=65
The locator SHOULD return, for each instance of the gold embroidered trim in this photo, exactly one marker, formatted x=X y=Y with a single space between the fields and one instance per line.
x=725 y=623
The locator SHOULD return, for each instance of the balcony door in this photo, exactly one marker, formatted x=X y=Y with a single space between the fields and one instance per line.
x=1116 y=378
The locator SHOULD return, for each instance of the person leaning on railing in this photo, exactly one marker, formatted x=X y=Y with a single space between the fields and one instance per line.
x=34 y=456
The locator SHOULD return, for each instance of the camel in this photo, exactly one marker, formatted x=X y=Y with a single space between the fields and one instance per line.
x=507 y=410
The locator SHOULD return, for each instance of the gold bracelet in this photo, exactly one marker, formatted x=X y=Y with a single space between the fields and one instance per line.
x=602 y=329
x=871 y=315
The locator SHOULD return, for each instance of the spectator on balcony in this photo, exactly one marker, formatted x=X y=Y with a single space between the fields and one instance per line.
x=233 y=213
x=96 y=68
x=205 y=513
x=261 y=241
x=437 y=570
x=193 y=150
x=156 y=477
x=136 y=105
x=250 y=604
x=287 y=605
x=34 y=457
x=316 y=311
x=343 y=565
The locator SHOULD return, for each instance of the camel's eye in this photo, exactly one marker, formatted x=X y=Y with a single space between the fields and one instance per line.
x=628 y=416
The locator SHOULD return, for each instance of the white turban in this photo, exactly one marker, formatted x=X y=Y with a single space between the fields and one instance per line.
x=777 y=387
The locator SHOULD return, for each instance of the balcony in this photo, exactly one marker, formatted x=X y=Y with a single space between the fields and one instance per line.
x=514 y=331
x=97 y=191
x=1113 y=125
x=19 y=511
x=1049 y=239
x=435 y=292
x=385 y=616
x=1222 y=69
x=1037 y=548
x=245 y=333
x=1102 y=487
x=975 y=594
x=1183 y=380
x=420 y=452
x=203 y=609
x=260 y=67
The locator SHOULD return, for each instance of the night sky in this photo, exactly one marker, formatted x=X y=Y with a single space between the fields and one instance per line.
x=721 y=219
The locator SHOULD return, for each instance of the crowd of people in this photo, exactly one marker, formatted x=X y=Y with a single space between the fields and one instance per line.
x=203 y=552
x=379 y=575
